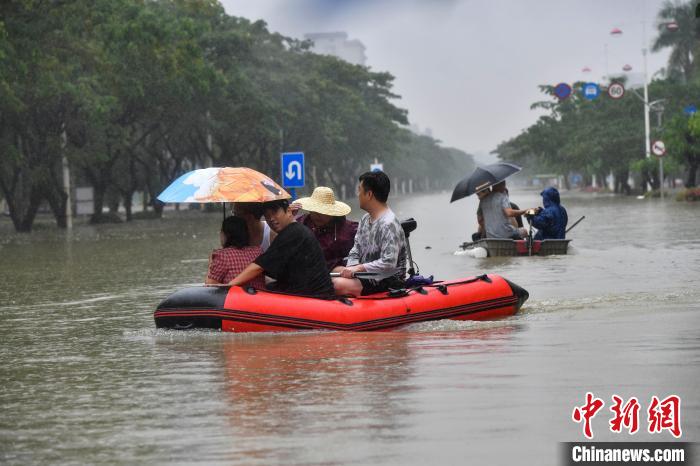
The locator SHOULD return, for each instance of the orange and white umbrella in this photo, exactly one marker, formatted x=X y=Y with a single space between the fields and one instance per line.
x=223 y=184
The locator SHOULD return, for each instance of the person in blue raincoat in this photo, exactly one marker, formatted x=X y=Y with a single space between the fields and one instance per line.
x=551 y=220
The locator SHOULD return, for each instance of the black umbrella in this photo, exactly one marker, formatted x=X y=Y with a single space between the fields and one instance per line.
x=482 y=178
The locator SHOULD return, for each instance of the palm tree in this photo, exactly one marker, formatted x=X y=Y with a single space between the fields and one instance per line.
x=684 y=37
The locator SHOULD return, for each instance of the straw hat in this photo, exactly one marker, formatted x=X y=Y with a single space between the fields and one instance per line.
x=323 y=201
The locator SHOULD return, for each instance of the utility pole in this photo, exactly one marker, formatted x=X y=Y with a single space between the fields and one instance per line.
x=647 y=129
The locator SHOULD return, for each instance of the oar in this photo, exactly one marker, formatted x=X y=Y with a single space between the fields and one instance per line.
x=577 y=222
x=528 y=216
x=357 y=274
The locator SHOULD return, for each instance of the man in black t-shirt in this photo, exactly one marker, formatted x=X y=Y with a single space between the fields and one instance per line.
x=294 y=258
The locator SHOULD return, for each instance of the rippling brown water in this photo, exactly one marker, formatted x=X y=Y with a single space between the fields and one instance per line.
x=86 y=378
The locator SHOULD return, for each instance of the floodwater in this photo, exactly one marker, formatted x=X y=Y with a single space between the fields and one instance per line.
x=86 y=378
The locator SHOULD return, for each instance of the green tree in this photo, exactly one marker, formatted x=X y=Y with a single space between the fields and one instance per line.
x=40 y=80
x=683 y=40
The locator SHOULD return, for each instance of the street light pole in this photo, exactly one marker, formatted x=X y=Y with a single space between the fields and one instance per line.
x=647 y=128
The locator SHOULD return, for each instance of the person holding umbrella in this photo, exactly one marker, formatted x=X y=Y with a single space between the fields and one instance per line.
x=496 y=209
x=481 y=229
x=497 y=212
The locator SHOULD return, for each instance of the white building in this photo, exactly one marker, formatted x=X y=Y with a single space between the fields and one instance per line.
x=338 y=45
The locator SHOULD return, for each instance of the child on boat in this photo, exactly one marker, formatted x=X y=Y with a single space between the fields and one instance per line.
x=234 y=256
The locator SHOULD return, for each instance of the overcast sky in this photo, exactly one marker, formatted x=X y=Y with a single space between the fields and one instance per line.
x=469 y=69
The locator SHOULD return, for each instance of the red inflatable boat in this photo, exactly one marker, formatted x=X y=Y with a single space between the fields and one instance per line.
x=236 y=309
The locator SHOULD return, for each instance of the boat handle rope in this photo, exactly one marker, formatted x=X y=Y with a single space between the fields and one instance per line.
x=442 y=287
x=391 y=294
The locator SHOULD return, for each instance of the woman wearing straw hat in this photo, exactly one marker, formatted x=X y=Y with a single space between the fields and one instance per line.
x=326 y=219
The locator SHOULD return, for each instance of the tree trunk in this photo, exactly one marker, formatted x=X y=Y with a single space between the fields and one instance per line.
x=157 y=207
x=98 y=201
x=113 y=197
x=22 y=197
x=57 y=201
x=691 y=181
x=127 y=197
x=654 y=180
x=23 y=211
x=692 y=162
x=621 y=184
x=646 y=180
x=603 y=180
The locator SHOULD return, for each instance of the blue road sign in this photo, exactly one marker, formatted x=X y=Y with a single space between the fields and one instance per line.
x=690 y=110
x=292 y=169
x=590 y=91
x=562 y=91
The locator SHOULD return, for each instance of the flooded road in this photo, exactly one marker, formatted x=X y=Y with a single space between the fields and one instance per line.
x=86 y=378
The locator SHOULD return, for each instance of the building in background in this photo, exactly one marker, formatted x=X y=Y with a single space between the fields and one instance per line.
x=338 y=45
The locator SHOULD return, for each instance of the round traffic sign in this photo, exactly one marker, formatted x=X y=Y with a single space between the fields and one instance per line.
x=616 y=91
x=590 y=91
x=658 y=148
x=562 y=91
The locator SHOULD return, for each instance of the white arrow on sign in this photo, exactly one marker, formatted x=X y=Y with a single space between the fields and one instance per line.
x=294 y=166
x=658 y=148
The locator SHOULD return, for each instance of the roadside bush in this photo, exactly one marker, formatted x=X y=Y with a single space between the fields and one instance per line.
x=690 y=194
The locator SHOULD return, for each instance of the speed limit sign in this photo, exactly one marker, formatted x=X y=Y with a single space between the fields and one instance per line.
x=616 y=91
x=658 y=148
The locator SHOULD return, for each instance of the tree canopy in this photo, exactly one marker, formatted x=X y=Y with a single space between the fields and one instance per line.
x=133 y=93
x=604 y=135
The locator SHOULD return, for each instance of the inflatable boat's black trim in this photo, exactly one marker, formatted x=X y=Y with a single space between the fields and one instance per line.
x=519 y=292
x=299 y=323
x=189 y=322
x=201 y=297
